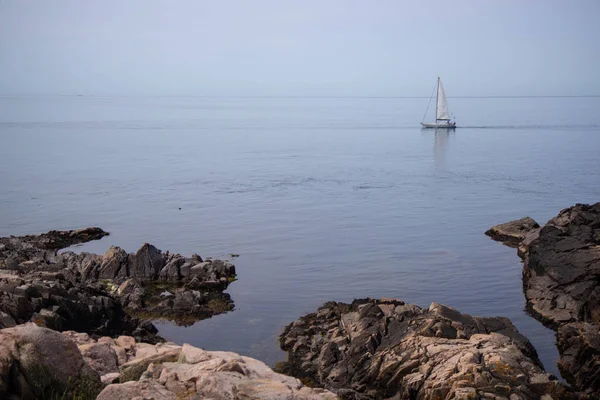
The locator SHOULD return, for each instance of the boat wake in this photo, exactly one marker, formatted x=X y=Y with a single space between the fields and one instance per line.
x=569 y=126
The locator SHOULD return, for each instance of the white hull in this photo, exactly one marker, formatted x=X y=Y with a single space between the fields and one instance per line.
x=443 y=125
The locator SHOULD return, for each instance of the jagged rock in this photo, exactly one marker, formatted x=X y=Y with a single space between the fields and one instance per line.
x=561 y=280
x=148 y=263
x=170 y=271
x=114 y=263
x=376 y=349
x=41 y=363
x=113 y=294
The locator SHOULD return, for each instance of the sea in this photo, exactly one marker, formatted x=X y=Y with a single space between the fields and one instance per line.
x=323 y=198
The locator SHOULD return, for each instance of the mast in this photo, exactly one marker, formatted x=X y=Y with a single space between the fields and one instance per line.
x=437 y=99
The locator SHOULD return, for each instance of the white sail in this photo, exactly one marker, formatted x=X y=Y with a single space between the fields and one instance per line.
x=442 y=112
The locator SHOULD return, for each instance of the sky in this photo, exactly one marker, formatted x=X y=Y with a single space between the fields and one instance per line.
x=300 y=48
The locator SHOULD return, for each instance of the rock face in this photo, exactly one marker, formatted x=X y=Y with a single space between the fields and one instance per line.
x=561 y=281
x=111 y=295
x=38 y=363
x=379 y=349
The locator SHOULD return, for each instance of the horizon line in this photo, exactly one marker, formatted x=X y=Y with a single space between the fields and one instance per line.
x=301 y=96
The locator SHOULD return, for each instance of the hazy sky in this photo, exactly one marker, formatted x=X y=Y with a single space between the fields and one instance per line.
x=309 y=47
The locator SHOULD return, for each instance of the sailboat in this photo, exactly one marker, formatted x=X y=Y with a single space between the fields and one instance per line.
x=442 y=112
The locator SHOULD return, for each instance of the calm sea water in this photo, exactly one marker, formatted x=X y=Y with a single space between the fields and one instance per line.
x=323 y=198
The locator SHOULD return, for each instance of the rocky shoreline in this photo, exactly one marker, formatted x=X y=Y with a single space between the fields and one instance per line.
x=561 y=282
x=368 y=349
x=109 y=295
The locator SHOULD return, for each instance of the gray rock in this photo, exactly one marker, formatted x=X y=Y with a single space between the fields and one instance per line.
x=170 y=271
x=148 y=263
x=561 y=280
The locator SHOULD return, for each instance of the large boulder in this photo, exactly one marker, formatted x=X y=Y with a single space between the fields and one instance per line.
x=377 y=349
x=561 y=280
x=40 y=363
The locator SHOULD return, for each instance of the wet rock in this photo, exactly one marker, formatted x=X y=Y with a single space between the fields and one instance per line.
x=375 y=349
x=514 y=232
x=561 y=281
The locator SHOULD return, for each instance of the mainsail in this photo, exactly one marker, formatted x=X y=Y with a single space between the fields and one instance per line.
x=442 y=112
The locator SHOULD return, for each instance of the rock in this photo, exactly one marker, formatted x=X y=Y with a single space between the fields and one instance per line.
x=579 y=347
x=148 y=263
x=562 y=268
x=6 y=321
x=112 y=377
x=374 y=349
x=561 y=281
x=114 y=263
x=170 y=272
x=37 y=362
x=127 y=342
x=101 y=357
x=55 y=240
x=133 y=370
x=79 y=338
x=108 y=295
x=194 y=355
x=514 y=232
x=142 y=390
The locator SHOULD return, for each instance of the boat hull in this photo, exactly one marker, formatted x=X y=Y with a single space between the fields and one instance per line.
x=438 y=125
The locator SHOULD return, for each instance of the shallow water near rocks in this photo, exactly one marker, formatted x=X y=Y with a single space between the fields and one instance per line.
x=323 y=198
